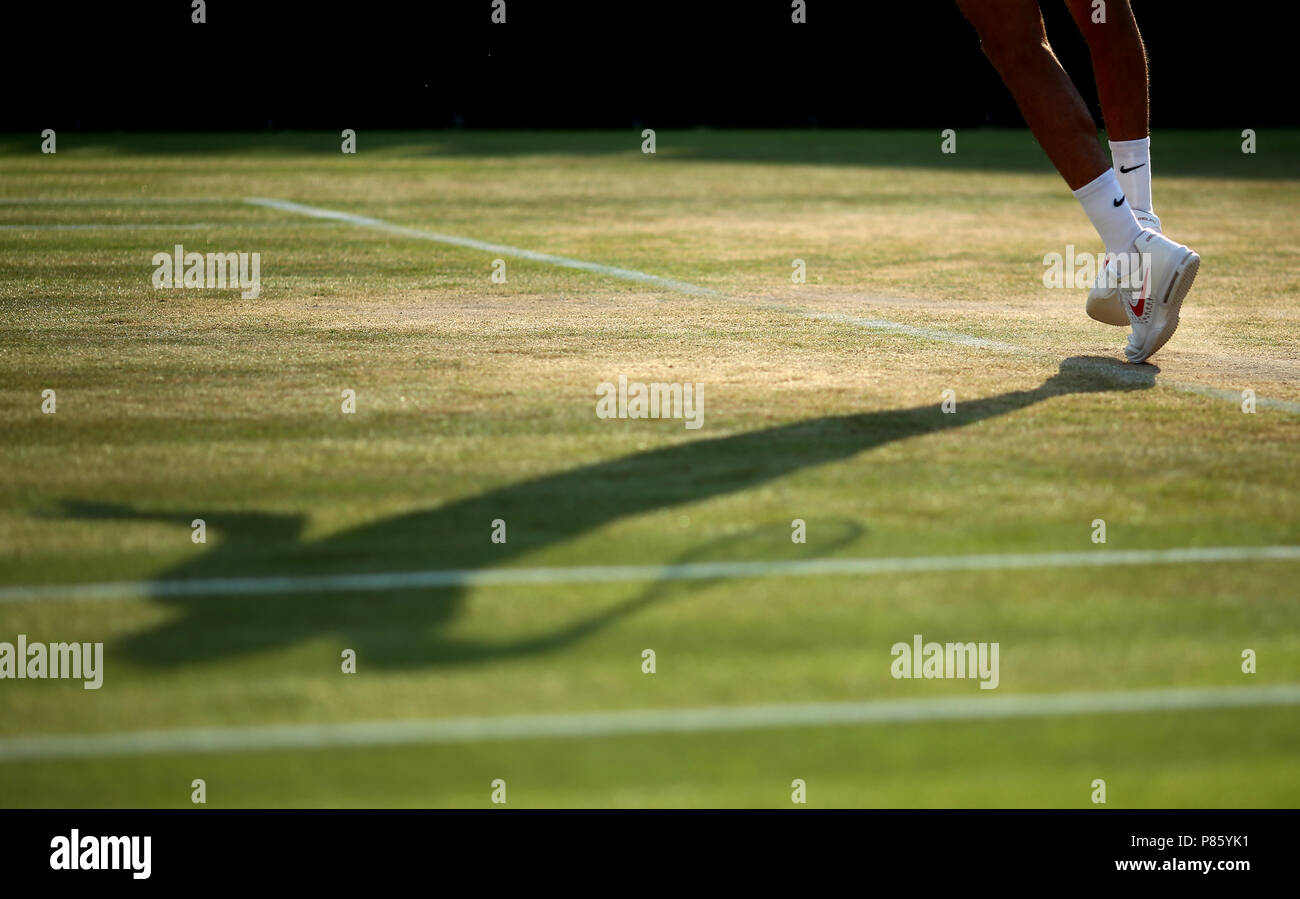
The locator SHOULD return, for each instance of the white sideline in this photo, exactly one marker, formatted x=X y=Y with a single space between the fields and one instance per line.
x=885 y=325
x=496 y=577
x=639 y=721
x=626 y=274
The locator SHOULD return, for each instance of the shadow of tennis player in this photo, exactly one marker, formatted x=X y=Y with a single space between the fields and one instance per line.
x=407 y=627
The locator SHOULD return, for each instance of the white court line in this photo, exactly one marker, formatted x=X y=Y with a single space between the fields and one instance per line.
x=639 y=721
x=590 y=574
x=884 y=325
x=500 y=249
x=1234 y=396
x=103 y=227
x=147 y=226
x=880 y=324
x=115 y=201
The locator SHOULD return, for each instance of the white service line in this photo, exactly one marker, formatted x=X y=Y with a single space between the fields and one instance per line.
x=498 y=577
x=885 y=325
x=626 y=274
x=585 y=725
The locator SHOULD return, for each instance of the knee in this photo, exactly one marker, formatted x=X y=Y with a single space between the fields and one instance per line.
x=1012 y=52
x=1099 y=21
x=1008 y=39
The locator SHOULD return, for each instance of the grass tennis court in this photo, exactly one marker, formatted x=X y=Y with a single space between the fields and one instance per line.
x=475 y=402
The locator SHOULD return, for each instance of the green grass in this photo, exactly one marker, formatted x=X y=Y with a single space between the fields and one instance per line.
x=476 y=402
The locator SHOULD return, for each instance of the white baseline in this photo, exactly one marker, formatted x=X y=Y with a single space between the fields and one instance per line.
x=585 y=725
x=493 y=577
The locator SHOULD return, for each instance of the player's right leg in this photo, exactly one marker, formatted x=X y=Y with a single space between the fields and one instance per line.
x=1119 y=65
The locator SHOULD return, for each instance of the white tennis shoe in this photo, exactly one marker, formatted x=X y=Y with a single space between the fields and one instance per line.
x=1152 y=303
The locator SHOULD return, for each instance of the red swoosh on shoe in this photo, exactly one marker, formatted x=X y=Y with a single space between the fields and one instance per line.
x=1142 y=299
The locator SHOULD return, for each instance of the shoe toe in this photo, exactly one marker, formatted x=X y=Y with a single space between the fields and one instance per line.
x=1133 y=350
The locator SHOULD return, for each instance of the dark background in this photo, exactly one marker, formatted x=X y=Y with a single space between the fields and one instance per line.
x=582 y=63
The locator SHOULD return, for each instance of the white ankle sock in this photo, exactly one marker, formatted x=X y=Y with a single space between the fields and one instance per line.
x=1132 y=160
x=1104 y=202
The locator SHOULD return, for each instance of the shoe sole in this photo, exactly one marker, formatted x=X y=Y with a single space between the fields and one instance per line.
x=1184 y=275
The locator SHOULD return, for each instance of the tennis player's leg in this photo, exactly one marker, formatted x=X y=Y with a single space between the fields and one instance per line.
x=1152 y=272
x=1119 y=66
